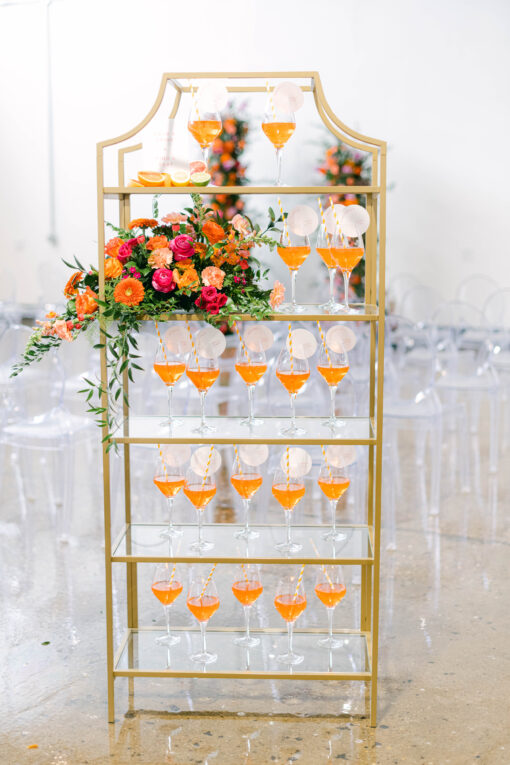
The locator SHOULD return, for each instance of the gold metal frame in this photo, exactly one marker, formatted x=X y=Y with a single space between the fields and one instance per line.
x=371 y=311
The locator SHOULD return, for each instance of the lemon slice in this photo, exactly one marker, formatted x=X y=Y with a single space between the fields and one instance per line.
x=180 y=178
x=200 y=179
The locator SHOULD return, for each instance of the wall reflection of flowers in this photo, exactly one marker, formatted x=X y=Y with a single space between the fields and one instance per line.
x=225 y=164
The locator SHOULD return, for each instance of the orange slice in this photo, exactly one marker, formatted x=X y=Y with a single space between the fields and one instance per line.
x=134 y=183
x=151 y=179
x=168 y=180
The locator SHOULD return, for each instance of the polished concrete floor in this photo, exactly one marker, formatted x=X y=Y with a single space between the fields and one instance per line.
x=444 y=657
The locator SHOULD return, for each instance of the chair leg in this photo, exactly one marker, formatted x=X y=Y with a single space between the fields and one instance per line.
x=436 y=440
x=494 y=430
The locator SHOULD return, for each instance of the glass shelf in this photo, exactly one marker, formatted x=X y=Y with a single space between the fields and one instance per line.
x=141 y=542
x=116 y=191
x=312 y=312
x=148 y=429
x=140 y=655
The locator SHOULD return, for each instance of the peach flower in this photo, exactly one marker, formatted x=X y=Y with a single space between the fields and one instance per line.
x=241 y=224
x=160 y=257
x=277 y=295
x=174 y=217
x=213 y=277
x=60 y=329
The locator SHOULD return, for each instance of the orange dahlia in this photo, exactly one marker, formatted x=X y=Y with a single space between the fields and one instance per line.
x=70 y=289
x=142 y=223
x=112 y=268
x=113 y=246
x=213 y=231
x=129 y=291
x=156 y=242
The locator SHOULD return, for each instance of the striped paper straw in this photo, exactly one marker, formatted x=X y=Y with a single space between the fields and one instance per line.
x=243 y=568
x=324 y=343
x=207 y=464
x=285 y=229
x=273 y=110
x=300 y=577
x=287 y=462
x=238 y=460
x=194 y=100
x=328 y=238
x=290 y=348
x=161 y=341
x=162 y=461
x=173 y=573
x=211 y=572
x=326 y=461
x=241 y=340
x=195 y=354
x=336 y=218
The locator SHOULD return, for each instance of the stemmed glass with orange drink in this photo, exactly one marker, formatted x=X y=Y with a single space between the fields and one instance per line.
x=204 y=126
x=333 y=482
x=251 y=367
x=290 y=602
x=169 y=480
x=247 y=588
x=203 y=602
x=332 y=366
x=293 y=250
x=167 y=586
x=203 y=373
x=199 y=490
x=348 y=254
x=246 y=480
x=330 y=589
x=169 y=367
x=278 y=126
x=293 y=374
x=288 y=491
x=326 y=246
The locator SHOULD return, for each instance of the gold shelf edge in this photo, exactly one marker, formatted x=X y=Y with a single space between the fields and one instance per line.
x=240 y=190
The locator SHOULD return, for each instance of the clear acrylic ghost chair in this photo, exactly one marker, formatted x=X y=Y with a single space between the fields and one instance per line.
x=14 y=390
x=419 y=303
x=397 y=287
x=476 y=289
x=497 y=315
x=465 y=365
x=51 y=437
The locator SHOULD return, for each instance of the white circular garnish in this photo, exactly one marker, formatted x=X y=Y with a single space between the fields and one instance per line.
x=212 y=97
x=341 y=456
x=331 y=216
x=200 y=458
x=302 y=220
x=304 y=344
x=177 y=340
x=288 y=97
x=175 y=455
x=258 y=338
x=340 y=339
x=210 y=342
x=299 y=462
x=354 y=220
x=253 y=454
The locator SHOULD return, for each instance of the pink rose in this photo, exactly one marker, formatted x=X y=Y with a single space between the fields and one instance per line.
x=182 y=247
x=160 y=257
x=213 y=277
x=241 y=224
x=213 y=307
x=126 y=249
x=221 y=299
x=209 y=293
x=163 y=280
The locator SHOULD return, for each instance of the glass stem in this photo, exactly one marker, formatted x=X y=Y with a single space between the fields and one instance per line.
x=246 y=503
x=251 y=391
x=332 y=272
x=205 y=154
x=279 y=167
x=293 y=275
x=247 y=620
x=200 y=513
x=347 y=276
x=332 y=392
x=202 y=408
x=333 y=514
x=167 y=617
x=290 y=627
x=203 y=627
x=170 y=390
x=293 y=410
x=330 y=622
x=288 y=519
x=170 y=514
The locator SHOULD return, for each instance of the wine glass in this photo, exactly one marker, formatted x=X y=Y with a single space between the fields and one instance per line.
x=326 y=244
x=347 y=255
x=169 y=480
x=203 y=373
x=278 y=127
x=204 y=126
x=203 y=601
x=288 y=491
x=333 y=483
x=246 y=480
x=170 y=368
x=199 y=490
x=293 y=374
x=330 y=589
x=332 y=366
x=293 y=250
x=247 y=588
x=251 y=367
x=290 y=602
x=167 y=586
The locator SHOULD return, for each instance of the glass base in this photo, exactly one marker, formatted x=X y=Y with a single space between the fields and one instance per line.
x=247 y=642
x=170 y=533
x=246 y=534
x=168 y=640
x=170 y=423
x=252 y=423
x=292 y=430
x=204 y=657
x=330 y=307
x=335 y=536
x=290 y=658
x=288 y=547
x=342 y=308
x=330 y=642
x=204 y=429
x=289 y=308
x=334 y=424
x=201 y=546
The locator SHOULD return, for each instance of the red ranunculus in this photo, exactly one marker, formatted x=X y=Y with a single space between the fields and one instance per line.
x=209 y=293
x=213 y=307
x=244 y=264
x=182 y=247
x=221 y=299
x=163 y=280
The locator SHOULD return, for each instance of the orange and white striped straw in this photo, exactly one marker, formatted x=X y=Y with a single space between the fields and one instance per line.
x=161 y=341
x=208 y=464
x=245 y=574
x=300 y=578
x=285 y=229
x=323 y=217
x=336 y=217
x=195 y=354
x=173 y=573
x=324 y=343
x=193 y=99
x=243 y=346
x=238 y=460
x=271 y=102
x=326 y=461
x=211 y=572
x=323 y=567
x=287 y=462
x=163 y=461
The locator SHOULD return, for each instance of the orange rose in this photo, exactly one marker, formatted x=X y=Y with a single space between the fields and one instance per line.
x=213 y=231
x=70 y=289
x=142 y=223
x=157 y=242
x=85 y=303
x=112 y=268
x=129 y=291
x=189 y=278
x=113 y=246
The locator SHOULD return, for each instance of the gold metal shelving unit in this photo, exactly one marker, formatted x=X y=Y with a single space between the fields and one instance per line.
x=135 y=656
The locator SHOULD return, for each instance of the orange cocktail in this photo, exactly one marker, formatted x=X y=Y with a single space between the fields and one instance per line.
x=202 y=379
x=333 y=482
x=330 y=594
x=293 y=257
x=250 y=373
x=293 y=381
x=247 y=591
x=332 y=374
x=333 y=487
x=327 y=256
x=246 y=484
x=347 y=258
x=278 y=132
x=170 y=372
x=199 y=495
x=204 y=131
x=167 y=592
x=203 y=607
x=288 y=494
x=289 y=606
x=330 y=589
x=169 y=485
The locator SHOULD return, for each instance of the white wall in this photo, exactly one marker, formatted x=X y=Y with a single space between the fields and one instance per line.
x=431 y=78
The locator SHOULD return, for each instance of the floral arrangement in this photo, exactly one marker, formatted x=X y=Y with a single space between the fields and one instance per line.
x=188 y=262
x=344 y=167
x=225 y=161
